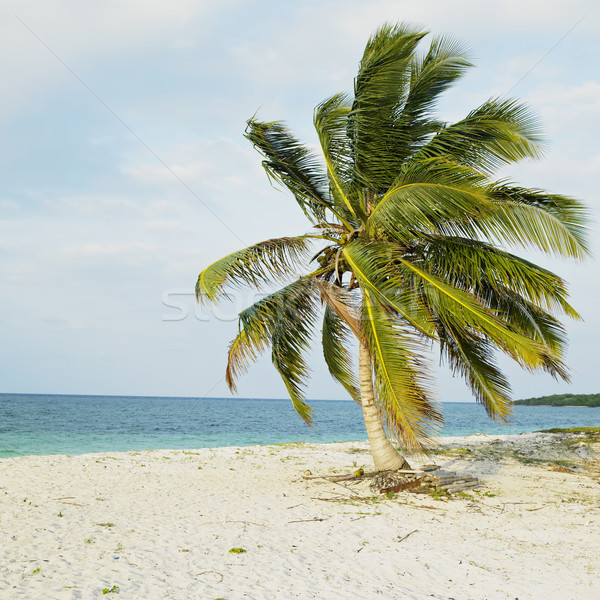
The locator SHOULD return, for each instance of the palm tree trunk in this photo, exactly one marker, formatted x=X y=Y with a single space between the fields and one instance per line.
x=384 y=455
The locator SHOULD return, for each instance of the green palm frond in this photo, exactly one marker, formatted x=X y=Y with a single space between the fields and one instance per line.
x=244 y=349
x=431 y=75
x=454 y=307
x=290 y=163
x=335 y=340
x=373 y=264
x=283 y=321
x=427 y=199
x=498 y=132
x=528 y=226
x=568 y=212
x=471 y=356
x=401 y=379
x=331 y=121
x=291 y=339
x=479 y=267
x=532 y=321
x=262 y=263
x=379 y=143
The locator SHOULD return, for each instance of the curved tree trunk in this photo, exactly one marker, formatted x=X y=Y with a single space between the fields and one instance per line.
x=385 y=457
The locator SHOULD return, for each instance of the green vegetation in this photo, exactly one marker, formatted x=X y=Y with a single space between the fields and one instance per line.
x=562 y=400
x=237 y=551
x=411 y=244
x=591 y=431
x=112 y=590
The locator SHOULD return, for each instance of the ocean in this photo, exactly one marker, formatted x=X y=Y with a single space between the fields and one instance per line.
x=56 y=424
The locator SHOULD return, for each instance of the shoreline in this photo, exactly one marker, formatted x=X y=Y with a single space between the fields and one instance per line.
x=440 y=440
x=161 y=523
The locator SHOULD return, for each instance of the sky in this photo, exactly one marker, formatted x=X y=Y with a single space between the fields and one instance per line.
x=124 y=171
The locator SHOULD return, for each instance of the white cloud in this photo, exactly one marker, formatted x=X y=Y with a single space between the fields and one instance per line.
x=84 y=33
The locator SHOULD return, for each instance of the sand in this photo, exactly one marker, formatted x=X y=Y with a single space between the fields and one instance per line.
x=161 y=524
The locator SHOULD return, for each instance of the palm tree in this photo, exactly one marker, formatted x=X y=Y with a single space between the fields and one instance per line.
x=408 y=247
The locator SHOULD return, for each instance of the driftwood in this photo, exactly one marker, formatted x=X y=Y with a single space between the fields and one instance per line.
x=452 y=482
x=407 y=535
x=408 y=479
x=402 y=486
x=346 y=477
x=448 y=480
x=334 y=478
x=314 y=519
x=213 y=572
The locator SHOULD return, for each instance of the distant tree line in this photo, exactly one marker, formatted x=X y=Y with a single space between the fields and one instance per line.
x=563 y=400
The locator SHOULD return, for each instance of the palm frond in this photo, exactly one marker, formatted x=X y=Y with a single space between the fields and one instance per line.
x=331 y=121
x=529 y=319
x=262 y=263
x=527 y=226
x=567 y=218
x=337 y=356
x=373 y=265
x=484 y=270
x=498 y=132
x=431 y=74
x=284 y=321
x=379 y=143
x=471 y=356
x=244 y=349
x=291 y=338
x=456 y=308
x=290 y=163
x=341 y=302
x=426 y=198
x=402 y=387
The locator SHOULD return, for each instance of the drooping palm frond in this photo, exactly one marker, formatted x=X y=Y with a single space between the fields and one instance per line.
x=471 y=356
x=331 y=122
x=289 y=162
x=283 y=321
x=528 y=226
x=531 y=320
x=485 y=270
x=454 y=307
x=262 y=263
x=425 y=199
x=335 y=339
x=342 y=302
x=291 y=339
x=373 y=264
x=402 y=384
x=568 y=212
x=244 y=349
x=498 y=132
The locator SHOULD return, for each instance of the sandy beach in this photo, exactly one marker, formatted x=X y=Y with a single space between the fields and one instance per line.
x=163 y=524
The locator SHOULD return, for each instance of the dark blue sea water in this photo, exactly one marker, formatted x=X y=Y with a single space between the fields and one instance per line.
x=52 y=424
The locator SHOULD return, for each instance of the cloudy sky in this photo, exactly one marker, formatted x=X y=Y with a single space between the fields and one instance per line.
x=124 y=170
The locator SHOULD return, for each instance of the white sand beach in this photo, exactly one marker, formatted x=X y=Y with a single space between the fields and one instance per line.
x=161 y=524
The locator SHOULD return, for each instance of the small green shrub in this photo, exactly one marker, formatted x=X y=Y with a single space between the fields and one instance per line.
x=112 y=590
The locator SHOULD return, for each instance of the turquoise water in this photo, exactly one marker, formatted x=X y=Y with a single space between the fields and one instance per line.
x=53 y=424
